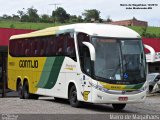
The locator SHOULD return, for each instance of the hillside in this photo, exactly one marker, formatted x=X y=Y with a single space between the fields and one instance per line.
x=152 y=31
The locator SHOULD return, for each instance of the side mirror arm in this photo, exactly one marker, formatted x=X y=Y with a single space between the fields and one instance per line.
x=91 y=50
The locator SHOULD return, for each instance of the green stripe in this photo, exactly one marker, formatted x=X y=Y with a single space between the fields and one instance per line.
x=50 y=72
x=54 y=72
x=137 y=86
x=46 y=72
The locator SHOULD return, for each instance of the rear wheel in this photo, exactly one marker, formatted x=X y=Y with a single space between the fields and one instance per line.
x=73 y=97
x=28 y=95
x=20 y=90
x=118 y=106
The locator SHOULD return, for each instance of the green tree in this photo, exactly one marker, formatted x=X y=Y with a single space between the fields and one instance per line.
x=60 y=15
x=75 y=19
x=91 y=15
x=25 y=18
x=6 y=17
x=21 y=13
x=45 y=18
x=15 y=17
x=33 y=15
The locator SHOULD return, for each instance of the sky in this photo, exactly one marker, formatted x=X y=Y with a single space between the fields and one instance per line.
x=108 y=8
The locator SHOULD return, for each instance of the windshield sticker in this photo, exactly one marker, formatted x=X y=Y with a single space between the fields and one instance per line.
x=125 y=75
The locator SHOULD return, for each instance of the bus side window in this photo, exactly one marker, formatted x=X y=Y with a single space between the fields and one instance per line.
x=27 y=48
x=70 y=48
x=12 y=45
x=60 y=45
x=42 y=49
x=50 y=50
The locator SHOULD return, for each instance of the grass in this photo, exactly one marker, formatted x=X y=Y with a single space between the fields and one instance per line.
x=150 y=30
x=38 y=26
x=26 y=25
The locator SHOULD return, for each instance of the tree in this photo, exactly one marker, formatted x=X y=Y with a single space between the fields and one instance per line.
x=60 y=15
x=6 y=17
x=45 y=18
x=91 y=15
x=25 y=18
x=15 y=17
x=109 y=20
x=75 y=19
x=21 y=13
x=33 y=15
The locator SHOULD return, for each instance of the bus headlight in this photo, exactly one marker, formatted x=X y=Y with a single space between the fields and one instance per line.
x=98 y=87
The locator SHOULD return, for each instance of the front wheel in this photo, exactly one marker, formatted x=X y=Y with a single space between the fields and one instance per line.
x=118 y=106
x=73 y=97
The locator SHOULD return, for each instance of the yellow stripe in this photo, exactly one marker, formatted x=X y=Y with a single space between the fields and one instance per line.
x=44 y=32
x=112 y=86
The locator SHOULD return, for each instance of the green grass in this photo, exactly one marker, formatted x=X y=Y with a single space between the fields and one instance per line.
x=26 y=25
x=150 y=30
x=38 y=26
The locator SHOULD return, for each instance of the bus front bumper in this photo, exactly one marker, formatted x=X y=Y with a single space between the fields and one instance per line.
x=102 y=97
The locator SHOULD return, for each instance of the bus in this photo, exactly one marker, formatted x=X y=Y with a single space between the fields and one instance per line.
x=83 y=62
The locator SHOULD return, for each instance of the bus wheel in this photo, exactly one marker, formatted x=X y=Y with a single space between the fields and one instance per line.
x=20 y=91
x=118 y=106
x=73 y=97
x=26 y=90
x=28 y=95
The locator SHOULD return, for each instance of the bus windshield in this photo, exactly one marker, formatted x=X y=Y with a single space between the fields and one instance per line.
x=119 y=59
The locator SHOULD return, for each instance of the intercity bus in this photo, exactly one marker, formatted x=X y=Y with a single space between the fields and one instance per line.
x=85 y=62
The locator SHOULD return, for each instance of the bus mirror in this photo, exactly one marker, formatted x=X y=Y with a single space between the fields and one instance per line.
x=91 y=50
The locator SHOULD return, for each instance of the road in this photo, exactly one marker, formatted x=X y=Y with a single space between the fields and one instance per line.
x=47 y=105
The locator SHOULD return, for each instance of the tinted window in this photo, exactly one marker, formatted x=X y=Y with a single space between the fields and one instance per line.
x=60 y=45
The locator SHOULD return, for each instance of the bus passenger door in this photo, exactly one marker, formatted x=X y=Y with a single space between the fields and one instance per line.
x=86 y=87
x=86 y=80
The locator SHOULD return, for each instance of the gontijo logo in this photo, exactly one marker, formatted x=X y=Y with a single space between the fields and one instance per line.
x=28 y=63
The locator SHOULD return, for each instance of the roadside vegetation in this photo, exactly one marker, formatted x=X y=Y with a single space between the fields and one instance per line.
x=30 y=19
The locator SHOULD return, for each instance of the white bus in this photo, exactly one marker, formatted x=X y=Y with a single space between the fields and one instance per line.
x=87 y=62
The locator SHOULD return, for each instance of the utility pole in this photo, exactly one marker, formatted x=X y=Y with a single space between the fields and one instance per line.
x=55 y=7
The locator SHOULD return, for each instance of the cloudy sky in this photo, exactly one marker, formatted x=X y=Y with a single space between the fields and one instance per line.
x=108 y=8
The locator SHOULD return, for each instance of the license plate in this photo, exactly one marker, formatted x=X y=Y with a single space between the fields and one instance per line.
x=123 y=98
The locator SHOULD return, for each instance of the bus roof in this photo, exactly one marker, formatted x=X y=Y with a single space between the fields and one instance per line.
x=95 y=29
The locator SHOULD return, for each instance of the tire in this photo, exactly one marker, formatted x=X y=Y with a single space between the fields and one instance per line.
x=150 y=88
x=73 y=97
x=28 y=95
x=118 y=106
x=20 y=90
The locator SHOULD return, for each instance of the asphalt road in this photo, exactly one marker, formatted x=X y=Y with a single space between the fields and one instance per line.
x=47 y=105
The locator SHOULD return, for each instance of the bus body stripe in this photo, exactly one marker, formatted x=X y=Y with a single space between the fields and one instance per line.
x=46 y=72
x=50 y=72
x=54 y=72
x=121 y=87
